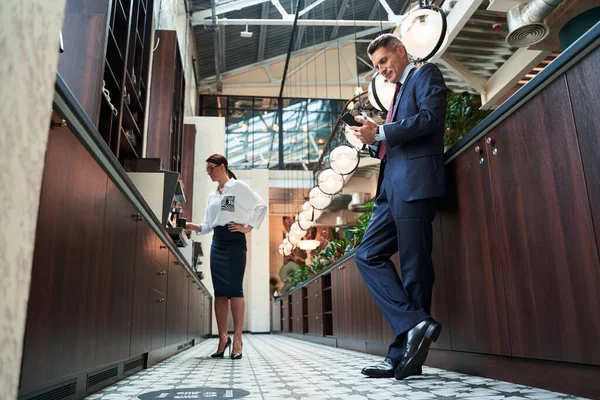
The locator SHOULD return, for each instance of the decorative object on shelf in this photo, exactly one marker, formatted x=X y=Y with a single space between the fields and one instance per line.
x=135 y=117
x=106 y=94
x=344 y=159
x=423 y=31
x=330 y=182
x=318 y=199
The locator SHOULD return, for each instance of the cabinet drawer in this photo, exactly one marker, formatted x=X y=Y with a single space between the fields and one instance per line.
x=162 y=253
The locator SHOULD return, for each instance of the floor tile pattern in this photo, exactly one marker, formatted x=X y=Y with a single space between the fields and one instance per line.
x=278 y=367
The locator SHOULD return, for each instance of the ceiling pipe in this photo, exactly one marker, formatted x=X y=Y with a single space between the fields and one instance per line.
x=526 y=22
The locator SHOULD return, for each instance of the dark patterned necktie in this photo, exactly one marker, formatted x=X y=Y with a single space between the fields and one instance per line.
x=388 y=119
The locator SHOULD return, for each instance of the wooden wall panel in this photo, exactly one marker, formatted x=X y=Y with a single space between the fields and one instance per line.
x=187 y=169
x=115 y=278
x=82 y=63
x=545 y=231
x=60 y=336
x=475 y=287
x=161 y=97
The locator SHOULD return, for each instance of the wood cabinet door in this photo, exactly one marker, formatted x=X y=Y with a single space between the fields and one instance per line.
x=60 y=335
x=338 y=302
x=174 y=300
x=546 y=236
x=115 y=278
x=297 y=316
x=159 y=316
x=286 y=314
x=315 y=307
x=365 y=317
x=475 y=286
x=439 y=302
x=143 y=293
x=183 y=312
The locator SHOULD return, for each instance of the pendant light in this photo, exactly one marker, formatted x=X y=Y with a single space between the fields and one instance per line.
x=344 y=160
x=423 y=31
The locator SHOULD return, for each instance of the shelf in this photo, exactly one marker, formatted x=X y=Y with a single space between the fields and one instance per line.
x=113 y=81
x=139 y=39
x=125 y=146
x=128 y=121
x=131 y=90
x=328 y=312
x=113 y=50
x=121 y=10
x=327 y=288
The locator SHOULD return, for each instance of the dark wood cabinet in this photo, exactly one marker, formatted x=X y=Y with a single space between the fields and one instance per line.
x=187 y=169
x=106 y=64
x=60 y=335
x=314 y=293
x=115 y=278
x=159 y=317
x=285 y=314
x=81 y=65
x=167 y=100
x=475 y=286
x=297 y=312
x=338 y=301
x=546 y=237
x=143 y=290
x=439 y=304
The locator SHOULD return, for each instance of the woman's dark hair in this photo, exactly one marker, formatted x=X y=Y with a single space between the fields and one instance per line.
x=219 y=159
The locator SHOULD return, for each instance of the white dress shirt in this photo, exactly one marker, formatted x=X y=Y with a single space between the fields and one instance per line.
x=237 y=204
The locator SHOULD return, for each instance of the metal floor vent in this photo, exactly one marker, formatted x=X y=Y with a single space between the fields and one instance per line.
x=95 y=379
x=58 y=393
x=133 y=364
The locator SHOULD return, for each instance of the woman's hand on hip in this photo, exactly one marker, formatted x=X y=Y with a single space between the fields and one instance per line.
x=240 y=228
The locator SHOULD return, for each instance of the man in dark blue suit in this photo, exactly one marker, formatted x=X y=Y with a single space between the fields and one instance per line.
x=411 y=148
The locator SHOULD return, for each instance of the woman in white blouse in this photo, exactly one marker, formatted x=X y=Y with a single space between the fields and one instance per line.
x=232 y=210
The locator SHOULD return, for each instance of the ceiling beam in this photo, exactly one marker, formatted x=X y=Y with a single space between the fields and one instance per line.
x=262 y=41
x=282 y=11
x=306 y=22
x=509 y=74
x=463 y=73
x=340 y=15
x=222 y=48
x=310 y=7
x=457 y=19
x=329 y=45
x=232 y=6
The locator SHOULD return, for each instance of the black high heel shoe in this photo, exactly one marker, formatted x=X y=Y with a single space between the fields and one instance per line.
x=222 y=353
x=236 y=356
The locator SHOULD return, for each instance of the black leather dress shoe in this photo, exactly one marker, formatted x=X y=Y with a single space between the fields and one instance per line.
x=384 y=369
x=416 y=347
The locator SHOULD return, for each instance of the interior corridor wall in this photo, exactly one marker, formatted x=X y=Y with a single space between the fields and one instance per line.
x=29 y=48
x=210 y=138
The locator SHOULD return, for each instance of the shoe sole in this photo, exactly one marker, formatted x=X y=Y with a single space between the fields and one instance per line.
x=414 y=364
x=389 y=375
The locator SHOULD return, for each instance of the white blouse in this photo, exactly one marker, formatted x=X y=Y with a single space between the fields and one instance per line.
x=237 y=204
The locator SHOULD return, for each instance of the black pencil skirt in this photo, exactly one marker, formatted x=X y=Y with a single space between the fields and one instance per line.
x=228 y=262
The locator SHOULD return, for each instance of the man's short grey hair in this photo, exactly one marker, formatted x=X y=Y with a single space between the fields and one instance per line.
x=387 y=40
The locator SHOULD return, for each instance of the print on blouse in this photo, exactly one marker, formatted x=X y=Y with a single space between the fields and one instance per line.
x=228 y=203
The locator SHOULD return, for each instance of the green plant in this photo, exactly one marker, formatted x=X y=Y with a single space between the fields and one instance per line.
x=357 y=232
x=462 y=115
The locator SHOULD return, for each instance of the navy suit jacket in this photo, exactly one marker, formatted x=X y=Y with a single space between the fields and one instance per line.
x=415 y=137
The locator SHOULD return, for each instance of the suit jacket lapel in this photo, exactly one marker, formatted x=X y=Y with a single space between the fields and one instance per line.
x=397 y=103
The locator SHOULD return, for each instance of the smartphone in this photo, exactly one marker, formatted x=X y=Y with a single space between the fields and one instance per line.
x=349 y=119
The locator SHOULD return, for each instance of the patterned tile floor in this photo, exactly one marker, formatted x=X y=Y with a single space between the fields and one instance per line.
x=278 y=367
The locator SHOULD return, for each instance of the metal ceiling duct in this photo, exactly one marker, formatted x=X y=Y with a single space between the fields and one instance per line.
x=526 y=22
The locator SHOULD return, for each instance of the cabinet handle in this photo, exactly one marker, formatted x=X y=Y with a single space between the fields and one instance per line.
x=481 y=161
x=489 y=141
x=162 y=246
x=316 y=295
x=176 y=262
x=161 y=300
x=162 y=272
x=317 y=317
x=477 y=149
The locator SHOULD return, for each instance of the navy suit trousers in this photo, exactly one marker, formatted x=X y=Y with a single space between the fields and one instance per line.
x=404 y=227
